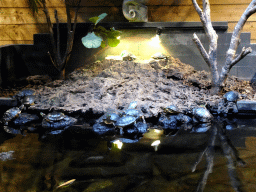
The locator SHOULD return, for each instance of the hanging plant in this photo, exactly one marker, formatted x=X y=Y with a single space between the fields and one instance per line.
x=101 y=34
x=34 y=4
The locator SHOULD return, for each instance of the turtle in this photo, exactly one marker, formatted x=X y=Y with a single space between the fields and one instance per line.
x=132 y=112
x=11 y=114
x=127 y=56
x=103 y=129
x=28 y=100
x=25 y=92
x=168 y=122
x=171 y=109
x=110 y=118
x=228 y=102
x=57 y=120
x=124 y=122
x=159 y=55
x=25 y=118
x=202 y=114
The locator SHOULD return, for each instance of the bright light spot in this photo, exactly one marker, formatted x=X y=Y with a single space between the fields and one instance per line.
x=118 y=37
x=118 y=143
x=155 y=41
x=157 y=130
x=155 y=144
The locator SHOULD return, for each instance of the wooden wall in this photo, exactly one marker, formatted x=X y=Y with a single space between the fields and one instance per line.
x=18 y=24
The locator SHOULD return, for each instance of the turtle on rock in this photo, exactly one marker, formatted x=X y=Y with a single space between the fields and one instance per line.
x=228 y=103
x=11 y=113
x=57 y=120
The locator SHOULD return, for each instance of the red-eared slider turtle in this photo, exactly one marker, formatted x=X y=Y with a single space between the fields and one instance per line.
x=202 y=114
x=124 y=122
x=25 y=118
x=159 y=56
x=110 y=118
x=229 y=102
x=133 y=112
x=172 y=109
x=28 y=100
x=57 y=120
x=231 y=96
x=11 y=114
x=127 y=56
x=25 y=92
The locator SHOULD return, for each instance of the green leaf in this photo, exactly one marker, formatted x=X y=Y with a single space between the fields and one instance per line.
x=113 y=33
x=94 y=19
x=103 y=44
x=101 y=16
x=113 y=42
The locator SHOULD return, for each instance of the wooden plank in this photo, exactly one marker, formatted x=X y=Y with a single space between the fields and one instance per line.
x=248 y=27
x=16 y=42
x=24 y=3
x=21 y=32
x=155 y=14
x=114 y=3
x=188 y=13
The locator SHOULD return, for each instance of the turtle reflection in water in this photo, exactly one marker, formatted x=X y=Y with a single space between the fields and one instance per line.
x=57 y=120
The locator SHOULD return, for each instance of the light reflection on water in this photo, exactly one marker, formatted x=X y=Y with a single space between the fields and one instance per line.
x=43 y=164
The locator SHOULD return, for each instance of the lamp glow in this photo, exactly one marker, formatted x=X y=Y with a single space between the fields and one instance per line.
x=118 y=143
x=155 y=41
x=155 y=144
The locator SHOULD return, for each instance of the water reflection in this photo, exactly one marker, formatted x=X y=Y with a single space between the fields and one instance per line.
x=44 y=163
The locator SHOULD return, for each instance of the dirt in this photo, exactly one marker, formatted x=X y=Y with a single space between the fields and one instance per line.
x=111 y=85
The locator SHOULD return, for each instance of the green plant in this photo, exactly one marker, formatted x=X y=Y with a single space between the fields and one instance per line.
x=100 y=36
x=34 y=4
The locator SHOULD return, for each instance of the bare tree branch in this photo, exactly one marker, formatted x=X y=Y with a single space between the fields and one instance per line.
x=201 y=49
x=243 y=53
x=235 y=40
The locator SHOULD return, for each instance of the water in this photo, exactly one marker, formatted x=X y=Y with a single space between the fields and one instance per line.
x=39 y=163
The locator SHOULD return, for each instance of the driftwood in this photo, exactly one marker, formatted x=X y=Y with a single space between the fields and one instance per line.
x=58 y=61
x=210 y=57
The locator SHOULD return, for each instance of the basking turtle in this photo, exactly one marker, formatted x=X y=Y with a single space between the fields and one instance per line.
x=133 y=112
x=159 y=55
x=202 y=114
x=110 y=118
x=25 y=92
x=57 y=120
x=11 y=114
x=229 y=102
x=124 y=122
x=25 y=118
x=127 y=56
x=103 y=129
x=28 y=100
x=172 y=109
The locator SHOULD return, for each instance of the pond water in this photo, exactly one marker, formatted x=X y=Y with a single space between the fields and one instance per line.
x=91 y=163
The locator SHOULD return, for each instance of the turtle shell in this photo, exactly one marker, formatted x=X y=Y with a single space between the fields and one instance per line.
x=11 y=113
x=110 y=118
x=25 y=92
x=29 y=100
x=58 y=122
x=159 y=56
x=231 y=96
x=133 y=112
x=125 y=121
x=202 y=114
x=171 y=109
x=55 y=116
